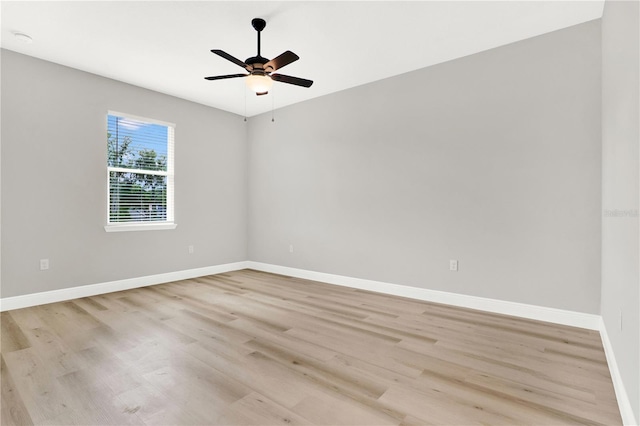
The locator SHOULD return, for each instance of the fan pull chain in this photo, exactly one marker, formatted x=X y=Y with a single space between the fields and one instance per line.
x=272 y=107
x=244 y=89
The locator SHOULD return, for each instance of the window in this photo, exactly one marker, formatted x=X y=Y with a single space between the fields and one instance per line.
x=140 y=173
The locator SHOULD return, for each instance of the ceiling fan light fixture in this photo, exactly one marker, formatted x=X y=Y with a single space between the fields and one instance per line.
x=260 y=84
x=260 y=78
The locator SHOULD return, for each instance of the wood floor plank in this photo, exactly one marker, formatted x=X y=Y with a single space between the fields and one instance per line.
x=433 y=407
x=59 y=358
x=12 y=336
x=422 y=357
x=330 y=410
x=284 y=341
x=92 y=401
x=253 y=348
x=558 y=402
x=256 y=409
x=41 y=394
x=12 y=410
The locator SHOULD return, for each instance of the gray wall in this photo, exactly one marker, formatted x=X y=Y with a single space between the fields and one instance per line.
x=621 y=188
x=54 y=181
x=493 y=159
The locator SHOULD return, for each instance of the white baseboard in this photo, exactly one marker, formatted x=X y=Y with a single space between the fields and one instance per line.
x=628 y=418
x=18 y=302
x=540 y=313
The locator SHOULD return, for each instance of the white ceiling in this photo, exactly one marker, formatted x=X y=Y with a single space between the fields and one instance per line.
x=165 y=45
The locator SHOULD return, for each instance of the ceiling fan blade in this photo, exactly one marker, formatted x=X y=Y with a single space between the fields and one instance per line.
x=280 y=61
x=292 y=80
x=222 y=77
x=230 y=58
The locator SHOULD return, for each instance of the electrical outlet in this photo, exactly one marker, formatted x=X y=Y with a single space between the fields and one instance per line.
x=453 y=265
x=44 y=264
x=191 y=250
x=290 y=248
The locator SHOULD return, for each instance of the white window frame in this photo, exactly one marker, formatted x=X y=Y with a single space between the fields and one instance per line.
x=170 y=174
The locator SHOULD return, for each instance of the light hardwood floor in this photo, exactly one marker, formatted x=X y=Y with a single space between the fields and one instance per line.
x=249 y=347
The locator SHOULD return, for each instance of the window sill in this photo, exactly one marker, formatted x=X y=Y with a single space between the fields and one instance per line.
x=140 y=227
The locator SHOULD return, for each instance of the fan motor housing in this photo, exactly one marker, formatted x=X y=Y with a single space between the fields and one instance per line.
x=256 y=60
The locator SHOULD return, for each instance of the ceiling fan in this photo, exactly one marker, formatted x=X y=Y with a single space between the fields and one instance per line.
x=260 y=77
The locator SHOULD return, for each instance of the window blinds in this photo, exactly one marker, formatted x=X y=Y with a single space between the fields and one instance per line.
x=140 y=169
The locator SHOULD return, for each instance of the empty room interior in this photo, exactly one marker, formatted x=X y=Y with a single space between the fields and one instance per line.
x=389 y=213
